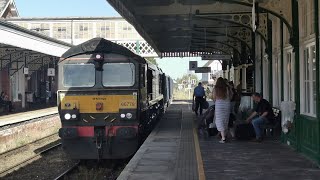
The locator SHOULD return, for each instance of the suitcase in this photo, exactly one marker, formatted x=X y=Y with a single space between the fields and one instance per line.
x=206 y=118
x=205 y=104
x=245 y=132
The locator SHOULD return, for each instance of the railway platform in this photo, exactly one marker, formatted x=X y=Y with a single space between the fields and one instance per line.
x=25 y=116
x=22 y=128
x=174 y=151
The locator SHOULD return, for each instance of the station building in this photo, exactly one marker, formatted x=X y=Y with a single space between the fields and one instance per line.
x=274 y=47
x=211 y=77
x=27 y=62
x=76 y=30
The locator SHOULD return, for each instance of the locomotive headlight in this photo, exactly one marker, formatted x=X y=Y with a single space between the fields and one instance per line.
x=98 y=56
x=122 y=115
x=129 y=115
x=74 y=116
x=67 y=116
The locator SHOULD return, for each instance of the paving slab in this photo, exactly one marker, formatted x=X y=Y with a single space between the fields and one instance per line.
x=168 y=153
x=243 y=160
x=24 y=116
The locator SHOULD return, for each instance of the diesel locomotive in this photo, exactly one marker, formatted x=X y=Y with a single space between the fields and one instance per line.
x=109 y=100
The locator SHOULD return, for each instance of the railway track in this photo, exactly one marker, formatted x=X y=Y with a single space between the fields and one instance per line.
x=29 y=160
x=15 y=150
x=69 y=170
x=105 y=169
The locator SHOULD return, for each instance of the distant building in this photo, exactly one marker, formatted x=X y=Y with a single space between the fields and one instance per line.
x=76 y=30
x=210 y=78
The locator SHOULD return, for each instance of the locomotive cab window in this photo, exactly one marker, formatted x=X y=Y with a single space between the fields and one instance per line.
x=78 y=75
x=118 y=74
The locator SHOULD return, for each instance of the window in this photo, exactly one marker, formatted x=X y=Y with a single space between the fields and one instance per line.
x=286 y=35
x=78 y=75
x=62 y=31
x=105 y=29
x=126 y=31
x=212 y=76
x=288 y=69
x=314 y=86
x=310 y=16
x=83 y=30
x=309 y=81
x=280 y=74
x=118 y=74
x=25 y=25
x=306 y=17
x=265 y=78
x=276 y=81
x=41 y=28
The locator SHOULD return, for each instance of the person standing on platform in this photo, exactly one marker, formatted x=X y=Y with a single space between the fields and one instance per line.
x=234 y=97
x=199 y=96
x=239 y=88
x=4 y=99
x=238 y=98
x=222 y=107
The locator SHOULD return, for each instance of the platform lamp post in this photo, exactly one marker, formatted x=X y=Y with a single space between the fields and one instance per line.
x=50 y=74
x=189 y=86
x=49 y=85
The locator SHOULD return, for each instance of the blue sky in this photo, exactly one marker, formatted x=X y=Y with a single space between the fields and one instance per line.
x=61 y=8
x=175 y=67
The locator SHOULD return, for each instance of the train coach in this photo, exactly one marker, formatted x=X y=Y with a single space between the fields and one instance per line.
x=109 y=100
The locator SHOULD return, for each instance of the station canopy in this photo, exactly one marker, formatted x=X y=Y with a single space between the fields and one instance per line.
x=180 y=28
x=21 y=48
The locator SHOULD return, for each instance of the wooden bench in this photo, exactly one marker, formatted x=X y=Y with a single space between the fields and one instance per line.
x=273 y=127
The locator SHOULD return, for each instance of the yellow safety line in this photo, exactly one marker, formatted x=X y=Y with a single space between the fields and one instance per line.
x=199 y=157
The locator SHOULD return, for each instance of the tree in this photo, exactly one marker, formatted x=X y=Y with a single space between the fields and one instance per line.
x=152 y=60
x=185 y=78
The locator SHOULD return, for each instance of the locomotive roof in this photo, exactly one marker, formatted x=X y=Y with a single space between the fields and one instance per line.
x=100 y=45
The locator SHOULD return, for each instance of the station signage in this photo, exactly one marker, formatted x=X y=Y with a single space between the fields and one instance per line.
x=25 y=70
x=203 y=70
x=216 y=57
x=193 y=65
x=51 y=72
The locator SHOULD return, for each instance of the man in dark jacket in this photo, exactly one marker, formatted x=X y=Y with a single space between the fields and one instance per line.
x=261 y=115
x=199 y=97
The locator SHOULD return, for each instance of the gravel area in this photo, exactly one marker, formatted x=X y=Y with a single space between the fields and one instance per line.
x=49 y=166
x=19 y=155
x=106 y=170
x=54 y=162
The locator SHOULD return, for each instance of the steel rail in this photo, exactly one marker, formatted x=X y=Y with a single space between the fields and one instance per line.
x=29 y=160
x=67 y=171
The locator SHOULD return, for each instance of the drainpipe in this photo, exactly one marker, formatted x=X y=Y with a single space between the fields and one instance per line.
x=316 y=30
x=269 y=52
x=295 y=44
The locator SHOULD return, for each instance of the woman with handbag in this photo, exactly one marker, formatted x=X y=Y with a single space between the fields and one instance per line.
x=221 y=96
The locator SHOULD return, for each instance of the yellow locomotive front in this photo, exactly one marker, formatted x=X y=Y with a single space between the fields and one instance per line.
x=98 y=101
